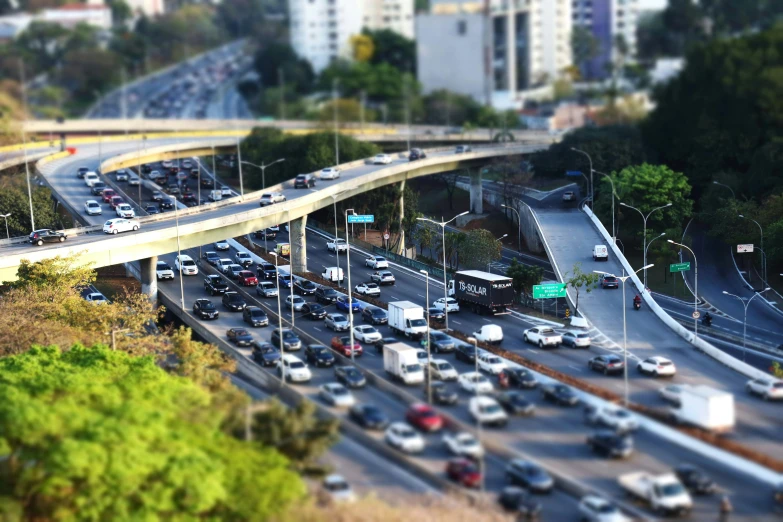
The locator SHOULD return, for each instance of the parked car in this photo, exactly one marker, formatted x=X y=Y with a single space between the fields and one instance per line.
x=117 y=225
x=47 y=235
x=205 y=309
x=239 y=336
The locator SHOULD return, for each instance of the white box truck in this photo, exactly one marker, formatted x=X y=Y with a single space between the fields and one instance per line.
x=408 y=319
x=402 y=362
x=705 y=408
x=665 y=493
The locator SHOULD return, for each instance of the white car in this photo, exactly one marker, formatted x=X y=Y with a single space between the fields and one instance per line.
x=370 y=289
x=366 y=334
x=593 y=508
x=295 y=301
x=336 y=245
x=449 y=304
x=673 y=393
x=186 y=164
x=223 y=264
x=185 y=265
x=463 y=444
x=96 y=298
x=221 y=245
x=92 y=208
x=330 y=173
x=337 y=395
x=166 y=164
x=657 y=366
x=613 y=417
x=491 y=363
x=486 y=410
x=441 y=369
x=489 y=333
x=474 y=382
x=271 y=198
x=542 y=336
x=121 y=175
x=124 y=210
x=576 y=339
x=294 y=368
x=133 y=180
x=91 y=178
x=381 y=159
x=338 y=489
x=768 y=388
x=244 y=259
x=376 y=262
x=163 y=270
x=401 y=436
x=117 y=225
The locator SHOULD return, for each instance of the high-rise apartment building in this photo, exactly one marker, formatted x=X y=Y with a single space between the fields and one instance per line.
x=613 y=25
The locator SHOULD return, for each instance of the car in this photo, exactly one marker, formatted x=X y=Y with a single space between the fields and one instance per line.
x=366 y=334
x=542 y=336
x=337 y=245
x=520 y=378
x=375 y=315
x=163 y=271
x=416 y=154
x=47 y=235
x=205 y=309
x=325 y=295
x=672 y=393
x=255 y=316
x=233 y=270
x=607 y=364
x=82 y=171
x=424 y=418
x=234 y=302
x=266 y=271
x=609 y=281
x=559 y=394
x=92 y=208
x=576 y=339
x=486 y=410
x=383 y=278
x=342 y=304
x=381 y=159
x=435 y=315
x=291 y=341
x=133 y=180
x=172 y=189
x=330 y=173
x=151 y=209
x=221 y=245
x=515 y=403
x=593 y=508
x=369 y=417
x=98 y=188
x=116 y=201
x=121 y=175
x=460 y=149
x=266 y=289
x=520 y=501
x=474 y=382
x=441 y=343
x=117 y=225
x=695 y=479
x=319 y=355
x=337 y=395
x=464 y=472
x=304 y=287
x=489 y=333
x=610 y=444
x=490 y=363
x=244 y=259
x=449 y=304
x=313 y=311
x=380 y=344
x=404 y=438
x=442 y=370
x=239 y=336
x=376 y=262
x=226 y=191
x=466 y=353
x=463 y=444
x=215 y=285
x=125 y=211
x=442 y=394
x=157 y=176
x=223 y=263
x=167 y=203
x=271 y=198
x=611 y=416
x=350 y=376
x=343 y=346
x=265 y=353
x=767 y=388
x=247 y=278
x=211 y=257
x=285 y=280
x=293 y=369
x=368 y=289
x=569 y=195
x=91 y=178
x=657 y=366
x=294 y=301
x=337 y=322
x=529 y=475
x=338 y=489
x=96 y=298
x=304 y=181
x=264 y=234
x=185 y=265
x=107 y=195
x=186 y=164
x=157 y=195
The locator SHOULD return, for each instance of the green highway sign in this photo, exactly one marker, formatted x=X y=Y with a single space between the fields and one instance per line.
x=680 y=267
x=549 y=291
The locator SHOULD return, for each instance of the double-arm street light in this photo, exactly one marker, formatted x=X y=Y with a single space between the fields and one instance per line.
x=644 y=245
x=429 y=359
x=695 y=290
x=592 y=195
x=263 y=169
x=763 y=255
x=625 y=337
x=745 y=304
x=442 y=224
x=648 y=247
x=519 y=228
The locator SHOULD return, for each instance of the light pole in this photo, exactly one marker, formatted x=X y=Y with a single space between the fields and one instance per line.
x=728 y=187
x=239 y=161
x=745 y=304
x=519 y=231
x=695 y=290
x=474 y=342
x=263 y=170
x=442 y=224
x=592 y=195
x=625 y=337
x=337 y=250
x=348 y=263
x=650 y=243
x=291 y=272
x=114 y=333
x=336 y=123
x=644 y=238
x=763 y=255
x=5 y=217
x=429 y=357
x=614 y=195
x=279 y=319
x=179 y=257
x=489 y=265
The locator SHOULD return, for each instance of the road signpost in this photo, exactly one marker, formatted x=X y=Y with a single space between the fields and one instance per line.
x=549 y=291
x=744 y=249
x=680 y=267
x=696 y=314
x=575 y=173
x=361 y=218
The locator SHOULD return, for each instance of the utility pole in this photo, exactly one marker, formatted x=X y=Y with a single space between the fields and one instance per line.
x=24 y=142
x=336 y=132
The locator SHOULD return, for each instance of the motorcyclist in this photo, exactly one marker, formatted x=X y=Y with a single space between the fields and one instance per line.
x=708 y=318
x=637 y=301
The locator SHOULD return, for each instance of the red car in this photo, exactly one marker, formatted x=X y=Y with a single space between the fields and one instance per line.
x=116 y=200
x=464 y=472
x=343 y=345
x=247 y=278
x=108 y=194
x=423 y=417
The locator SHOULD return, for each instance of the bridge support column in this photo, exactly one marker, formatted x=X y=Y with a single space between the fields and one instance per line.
x=149 y=279
x=298 y=241
x=401 y=247
x=476 y=192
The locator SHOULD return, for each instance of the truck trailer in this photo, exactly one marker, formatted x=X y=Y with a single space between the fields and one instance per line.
x=408 y=319
x=706 y=408
x=402 y=362
x=482 y=292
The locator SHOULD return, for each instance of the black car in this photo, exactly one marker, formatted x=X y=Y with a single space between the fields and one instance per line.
x=375 y=315
x=215 y=285
x=350 y=377
x=255 y=316
x=146 y=169
x=515 y=403
x=291 y=341
x=206 y=182
x=560 y=394
x=326 y=295
x=520 y=378
x=234 y=302
x=97 y=188
x=211 y=257
x=436 y=315
x=416 y=154
x=266 y=271
x=369 y=417
x=520 y=501
x=313 y=311
x=239 y=336
x=441 y=343
x=265 y=353
x=304 y=287
x=381 y=342
x=695 y=479
x=319 y=355
x=205 y=309
x=610 y=443
x=465 y=352
x=304 y=181
x=151 y=209
x=265 y=234
x=529 y=475
x=167 y=203
x=189 y=200
x=46 y=235
x=607 y=364
x=441 y=394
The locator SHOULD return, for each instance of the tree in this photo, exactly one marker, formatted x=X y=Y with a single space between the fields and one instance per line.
x=577 y=279
x=41 y=45
x=363 y=47
x=449 y=181
x=85 y=72
x=524 y=277
x=274 y=57
x=425 y=236
x=89 y=433
x=200 y=362
x=14 y=200
x=776 y=370
x=584 y=47
x=479 y=248
x=120 y=12
x=348 y=110
x=392 y=48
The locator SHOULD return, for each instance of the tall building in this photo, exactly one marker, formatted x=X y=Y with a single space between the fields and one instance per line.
x=321 y=30
x=608 y=21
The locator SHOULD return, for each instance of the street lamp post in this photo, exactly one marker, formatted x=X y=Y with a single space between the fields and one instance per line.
x=5 y=217
x=263 y=169
x=592 y=194
x=336 y=250
x=614 y=195
x=429 y=359
x=279 y=319
x=650 y=243
x=745 y=304
x=696 y=287
x=763 y=255
x=348 y=263
x=336 y=123
x=644 y=238
x=442 y=224
x=625 y=337
x=489 y=265
x=291 y=273
x=474 y=342
x=728 y=187
x=519 y=229
x=114 y=333
x=179 y=258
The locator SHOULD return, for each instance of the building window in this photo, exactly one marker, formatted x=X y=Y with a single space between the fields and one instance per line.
x=462 y=27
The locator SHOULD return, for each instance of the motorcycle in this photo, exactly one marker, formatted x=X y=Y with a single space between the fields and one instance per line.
x=637 y=305
x=706 y=320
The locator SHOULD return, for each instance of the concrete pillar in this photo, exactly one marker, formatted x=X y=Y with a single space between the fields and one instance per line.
x=401 y=247
x=298 y=244
x=149 y=279
x=476 y=192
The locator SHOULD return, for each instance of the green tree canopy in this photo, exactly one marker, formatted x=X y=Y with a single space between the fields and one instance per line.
x=276 y=57
x=577 y=279
x=479 y=248
x=524 y=277
x=392 y=48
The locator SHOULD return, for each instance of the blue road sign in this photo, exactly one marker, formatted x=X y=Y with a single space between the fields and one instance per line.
x=366 y=218
x=573 y=173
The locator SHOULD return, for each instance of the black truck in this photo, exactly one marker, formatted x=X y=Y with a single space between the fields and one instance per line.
x=482 y=292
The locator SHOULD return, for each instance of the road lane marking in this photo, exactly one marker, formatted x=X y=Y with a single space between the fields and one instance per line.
x=455 y=322
x=576 y=368
x=316 y=328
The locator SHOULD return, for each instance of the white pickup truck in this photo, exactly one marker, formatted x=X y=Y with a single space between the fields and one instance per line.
x=337 y=245
x=665 y=493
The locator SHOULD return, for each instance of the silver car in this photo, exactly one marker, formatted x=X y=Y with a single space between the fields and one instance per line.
x=266 y=289
x=337 y=322
x=295 y=302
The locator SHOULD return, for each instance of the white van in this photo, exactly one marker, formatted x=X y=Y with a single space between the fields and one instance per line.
x=600 y=253
x=215 y=195
x=489 y=333
x=333 y=274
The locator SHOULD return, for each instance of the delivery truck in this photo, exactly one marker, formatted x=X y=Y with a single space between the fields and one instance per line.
x=408 y=319
x=664 y=493
x=706 y=408
x=482 y=292
x=402 y=363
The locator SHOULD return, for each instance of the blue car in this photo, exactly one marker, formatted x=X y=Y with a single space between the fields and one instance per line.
x=285 y=281
x=342 y=304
